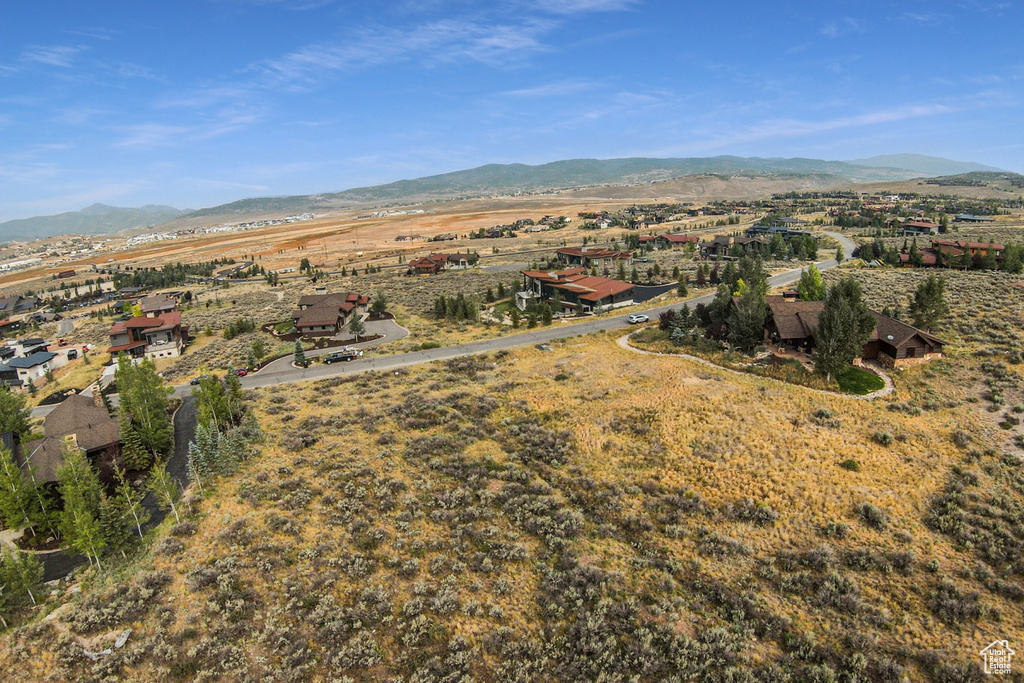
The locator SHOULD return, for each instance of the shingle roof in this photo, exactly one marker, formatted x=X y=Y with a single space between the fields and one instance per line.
x=46 y=456
x=79 y=415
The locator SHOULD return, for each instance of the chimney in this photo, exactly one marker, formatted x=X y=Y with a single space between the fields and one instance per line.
x=97 y=396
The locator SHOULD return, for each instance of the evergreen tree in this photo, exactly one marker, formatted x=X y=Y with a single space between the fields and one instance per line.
x=843 y=326
x=115 y=525
x=515 y=316
x=79 y=488
x=133 y=453
x=164 y=488
x=928 y=305
x=501 y=291
x=20 y=572
x=489 y=296
x=634 y=276
x=379 y=305
x=811 y=287
x=545 y=312
x=300 y=355
x=681 y=289
x=840 y=254
x=675 y=273
x=622 y=271
x=1013 y=258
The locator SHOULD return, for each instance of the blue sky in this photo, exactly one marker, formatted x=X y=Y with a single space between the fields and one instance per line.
x=197 y=102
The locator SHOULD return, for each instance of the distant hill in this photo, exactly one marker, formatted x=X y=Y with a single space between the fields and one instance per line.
x=921 y=164
x=569 y=174
x=97 y=219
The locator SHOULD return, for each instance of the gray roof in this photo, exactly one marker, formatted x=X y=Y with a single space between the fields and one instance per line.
x=31 y=361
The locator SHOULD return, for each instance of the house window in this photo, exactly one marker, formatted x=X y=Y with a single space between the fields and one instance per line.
x=911 y=352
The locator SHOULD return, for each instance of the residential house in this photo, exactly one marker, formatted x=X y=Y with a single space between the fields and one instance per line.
x=968 y=218
x=728 y=246
x=29 y=345
x=892 y=343
x=918 y=227
x=593 y=257
x=157 y=305
x=81 y=421
x=975 y=249
x=326 y=314
x=160 y=336
x=675 y=240
x=64 y=274
x=30 y=368
x=16 y=304
x=785 y=232
x=575 y=288
x=435 y=263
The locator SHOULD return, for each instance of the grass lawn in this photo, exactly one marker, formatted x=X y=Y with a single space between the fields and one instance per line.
x=856 y=381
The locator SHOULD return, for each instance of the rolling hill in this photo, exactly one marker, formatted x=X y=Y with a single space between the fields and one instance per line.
x=97 y=219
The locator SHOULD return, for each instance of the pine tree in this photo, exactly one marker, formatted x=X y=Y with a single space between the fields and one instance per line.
x=843 y=326
x=515 y=316
x=164 y=488
x=501 y=291
x=300 y=355
x=746 y=318
x=79 y=488
x=134 y=454
x=115 y=525
x=928 y=304
x=545 y=312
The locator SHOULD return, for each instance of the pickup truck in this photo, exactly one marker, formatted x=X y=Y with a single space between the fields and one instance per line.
x=344 y=354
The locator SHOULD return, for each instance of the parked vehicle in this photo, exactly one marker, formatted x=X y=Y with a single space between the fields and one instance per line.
x=241 y=372
x=62 y=342
x=196 y=380
x=637 y=318
x=344 y=354
x=72 y=354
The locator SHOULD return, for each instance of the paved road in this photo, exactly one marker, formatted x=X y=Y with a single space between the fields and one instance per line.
x=391 y=330
x=540 y=336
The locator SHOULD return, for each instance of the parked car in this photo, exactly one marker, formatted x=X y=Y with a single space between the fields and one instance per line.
x=72 y=354
x=637 y=318
x=62 y=342
x=344 y=354
x=196 y=380
x=241 y=372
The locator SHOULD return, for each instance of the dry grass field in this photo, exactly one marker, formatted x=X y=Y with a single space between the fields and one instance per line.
x=580 y=514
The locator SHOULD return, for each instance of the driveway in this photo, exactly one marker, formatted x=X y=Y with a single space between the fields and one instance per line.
x=390 y=330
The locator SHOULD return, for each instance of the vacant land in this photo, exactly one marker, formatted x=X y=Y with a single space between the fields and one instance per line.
x=573 y=515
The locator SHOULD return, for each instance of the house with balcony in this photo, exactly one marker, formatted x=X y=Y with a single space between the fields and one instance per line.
x=593 y=257
x=324 y=315
x=159 y=336
x=574 y=290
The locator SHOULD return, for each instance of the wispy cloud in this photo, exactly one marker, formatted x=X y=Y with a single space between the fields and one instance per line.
x=150 y=136
x=97 y=33
x=558 y=89
x=577 y=6
x=786 y=128
x=52 y=55
x=927 y=18
x=435 y=42
x=842 y=27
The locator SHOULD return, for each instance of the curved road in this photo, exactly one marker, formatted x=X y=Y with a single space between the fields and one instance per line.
x=282 y=374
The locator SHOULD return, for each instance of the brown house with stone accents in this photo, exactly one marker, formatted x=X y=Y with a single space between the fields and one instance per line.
x=892 y=343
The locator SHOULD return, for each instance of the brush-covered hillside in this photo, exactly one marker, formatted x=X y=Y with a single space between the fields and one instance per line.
x=583 y=513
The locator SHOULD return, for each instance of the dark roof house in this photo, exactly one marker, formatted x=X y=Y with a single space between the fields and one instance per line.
x=77 y=420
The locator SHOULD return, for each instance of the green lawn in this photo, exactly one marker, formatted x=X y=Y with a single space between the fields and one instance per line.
x=856 y=381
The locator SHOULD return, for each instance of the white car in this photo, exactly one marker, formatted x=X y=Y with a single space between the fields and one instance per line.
x=637 y=318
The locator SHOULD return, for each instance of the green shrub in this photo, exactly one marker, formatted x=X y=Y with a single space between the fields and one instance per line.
x=850 y=464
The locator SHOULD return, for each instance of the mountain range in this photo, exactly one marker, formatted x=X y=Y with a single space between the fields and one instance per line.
x=503 y=179
x=98 y=219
